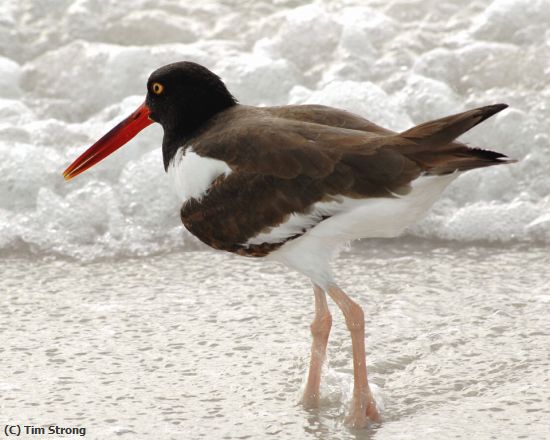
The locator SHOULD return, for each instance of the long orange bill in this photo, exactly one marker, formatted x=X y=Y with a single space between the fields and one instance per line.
x=111 y=142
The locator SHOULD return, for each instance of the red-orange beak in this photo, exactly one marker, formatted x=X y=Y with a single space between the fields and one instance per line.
x=111 y=142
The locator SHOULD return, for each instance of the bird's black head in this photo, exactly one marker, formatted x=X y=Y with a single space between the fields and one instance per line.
x=180 y=96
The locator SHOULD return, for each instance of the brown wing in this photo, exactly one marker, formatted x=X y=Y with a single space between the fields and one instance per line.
x=313 y=140
x=259 y=141
x=333 y=117
x=294 y=158
x=289 y=164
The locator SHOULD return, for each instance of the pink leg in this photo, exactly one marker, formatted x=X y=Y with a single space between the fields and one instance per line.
x=320 y=329
x=363 y=407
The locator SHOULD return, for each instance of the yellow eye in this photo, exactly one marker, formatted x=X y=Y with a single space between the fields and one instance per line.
x=157 y=88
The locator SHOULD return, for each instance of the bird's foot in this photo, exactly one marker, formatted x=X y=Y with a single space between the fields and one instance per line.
x=310 y=400
x=363 y=411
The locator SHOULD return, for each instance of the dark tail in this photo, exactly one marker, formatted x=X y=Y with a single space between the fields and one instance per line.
x=435 y=150
x=440 y=132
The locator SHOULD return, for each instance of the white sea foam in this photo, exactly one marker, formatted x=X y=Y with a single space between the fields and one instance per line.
x=71 y=70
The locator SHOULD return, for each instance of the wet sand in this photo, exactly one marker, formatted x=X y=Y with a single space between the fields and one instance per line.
x=206 y=345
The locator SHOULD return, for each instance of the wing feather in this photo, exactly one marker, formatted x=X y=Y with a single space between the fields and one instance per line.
x=296 y=156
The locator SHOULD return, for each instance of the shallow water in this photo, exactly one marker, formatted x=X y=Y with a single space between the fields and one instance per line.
x=71 y=69
x=206 y=345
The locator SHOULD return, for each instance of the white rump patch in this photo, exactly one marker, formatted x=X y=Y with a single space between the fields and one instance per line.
x=193 y=174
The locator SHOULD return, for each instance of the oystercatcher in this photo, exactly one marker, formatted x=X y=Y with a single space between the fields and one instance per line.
x=294 y=183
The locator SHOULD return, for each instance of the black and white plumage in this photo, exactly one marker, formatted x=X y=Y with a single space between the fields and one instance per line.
x=293 y=183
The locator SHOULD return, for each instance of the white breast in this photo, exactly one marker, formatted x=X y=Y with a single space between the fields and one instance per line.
x=193 y=174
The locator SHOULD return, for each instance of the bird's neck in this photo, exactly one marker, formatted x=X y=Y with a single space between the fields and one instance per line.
x=187 y=125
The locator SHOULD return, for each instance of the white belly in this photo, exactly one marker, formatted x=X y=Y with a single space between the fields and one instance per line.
x=352 y=219
x=193 y=174
x=383 y=216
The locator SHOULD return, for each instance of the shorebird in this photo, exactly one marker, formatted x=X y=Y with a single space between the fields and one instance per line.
x=294 y=183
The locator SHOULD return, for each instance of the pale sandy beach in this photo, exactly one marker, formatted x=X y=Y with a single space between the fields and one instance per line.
x=205 y=345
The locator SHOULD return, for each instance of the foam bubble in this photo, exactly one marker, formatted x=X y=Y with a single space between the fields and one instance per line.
x=516 y=21
x=439 y=63
x=69 y=72
x=294 y=41
x=142 y=27
x=425 y=98
x=364 y=98
x=9 y=80
x=258 y=79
